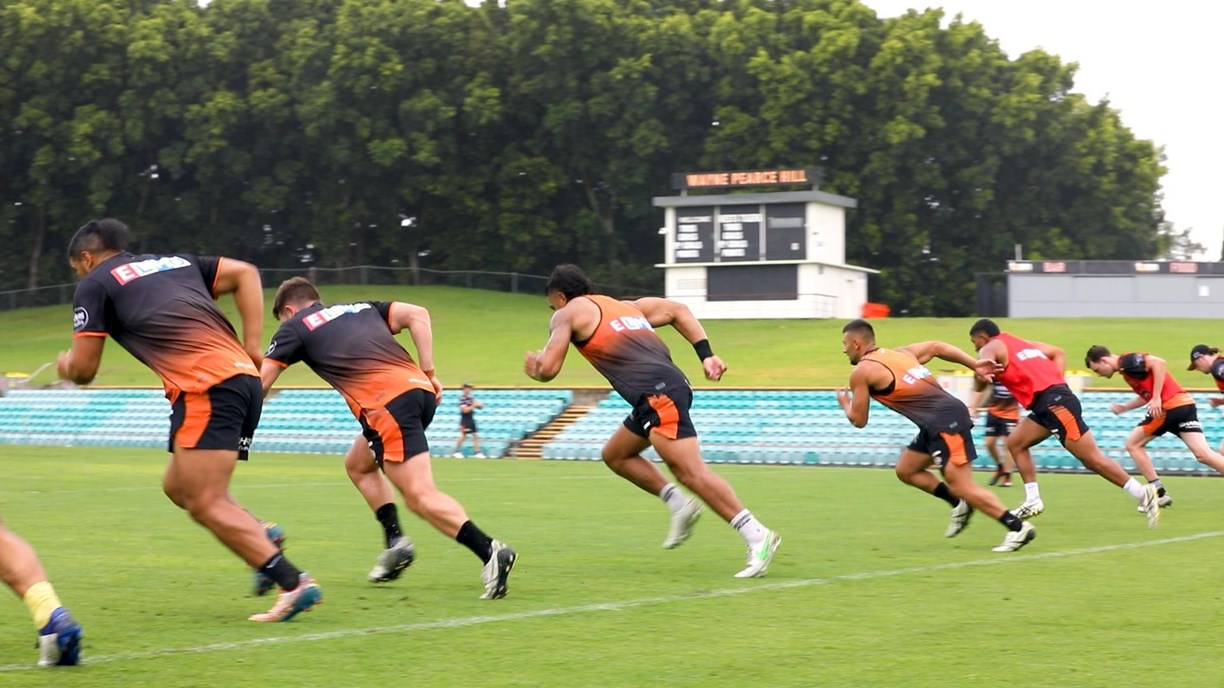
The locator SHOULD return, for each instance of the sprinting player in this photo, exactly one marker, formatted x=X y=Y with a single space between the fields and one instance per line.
x=161 y=309
x=1033 y=373
x=467 y=423
x=619 y=340
x=1001 y=417
x=353 y=347
x=1207 y=360
x=59 y=635
x=899 y=379
x=1169 y=409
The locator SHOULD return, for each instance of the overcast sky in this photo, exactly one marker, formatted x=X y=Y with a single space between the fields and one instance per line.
x=1159 y=64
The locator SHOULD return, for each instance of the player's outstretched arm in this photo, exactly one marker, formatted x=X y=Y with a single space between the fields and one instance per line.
x=545 y=364
x=856 y=403
x=80 y=363
x=925 y=351
x=661 y=312
x=1053 y=353
x=242 y=280
x=415 y=319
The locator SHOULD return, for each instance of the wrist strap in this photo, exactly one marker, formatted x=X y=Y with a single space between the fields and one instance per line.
x=703 y=349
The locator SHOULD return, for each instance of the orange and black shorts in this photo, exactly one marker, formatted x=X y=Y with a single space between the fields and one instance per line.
x=666 y=413
x=953 y=446
x=1058 y=410
x=222 y=417
x=1175 y=420
x=396 y=432
x=1000 y=426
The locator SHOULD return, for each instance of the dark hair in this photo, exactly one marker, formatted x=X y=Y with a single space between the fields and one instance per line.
x=293 y=290
x=570 y=280
x=1095 y=353
x=97 y=236
x=860 y=328
x=986 y=326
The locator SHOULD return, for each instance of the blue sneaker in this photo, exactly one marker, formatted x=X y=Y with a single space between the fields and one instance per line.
x=290 y=603
x=59 y=642
x=261 y=583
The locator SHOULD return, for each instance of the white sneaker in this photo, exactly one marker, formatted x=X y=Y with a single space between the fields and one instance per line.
x=1149 y=504
x=1164 y=502
x=682 y=523
x=479 y=455
x=393 y=561
x=497 y=571
x=1029 y=509
x=760 y=557
x=1016 y=540
x=960 y=518
x=457 y=455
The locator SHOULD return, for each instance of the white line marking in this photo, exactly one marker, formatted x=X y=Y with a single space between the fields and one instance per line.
x=465 y=621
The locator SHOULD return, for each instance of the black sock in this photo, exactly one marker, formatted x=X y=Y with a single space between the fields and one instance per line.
x=474 y=539
x=280 y=570
x=388 y=516
x=942 y=491
x=1009 y=521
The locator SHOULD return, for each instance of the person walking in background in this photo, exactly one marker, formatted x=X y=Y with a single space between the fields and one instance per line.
x=1001 y=417
x=1207 y=360
x=899 y=379
x=467 y=422
x=619 y=340
x=59 y=634
x=1169 y=409
x=161 y=309
x=1033 y=372
x=353 y=347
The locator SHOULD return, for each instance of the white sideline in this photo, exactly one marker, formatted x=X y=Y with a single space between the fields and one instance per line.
x=617 y=606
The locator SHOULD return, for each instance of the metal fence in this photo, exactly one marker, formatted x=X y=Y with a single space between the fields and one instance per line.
x=514 y=282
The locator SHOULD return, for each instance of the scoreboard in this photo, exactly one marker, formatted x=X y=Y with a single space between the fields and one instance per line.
x=748 y=252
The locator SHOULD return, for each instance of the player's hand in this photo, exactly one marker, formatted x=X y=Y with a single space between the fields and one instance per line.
x=714 y=368
x=437 y=386
x=531 y=364
x=843 y=398
x=986 y=369
x=255 y=351
x=1216 y=401
x=1155 y=408
x=1116 y=408
x=64 y=361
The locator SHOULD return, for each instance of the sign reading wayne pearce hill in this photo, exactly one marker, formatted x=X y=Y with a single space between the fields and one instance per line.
x=720 y=180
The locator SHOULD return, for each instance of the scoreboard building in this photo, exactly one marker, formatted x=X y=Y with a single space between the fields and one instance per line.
x=762 y=253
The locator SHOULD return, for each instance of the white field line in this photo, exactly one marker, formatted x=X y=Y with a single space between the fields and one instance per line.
x=464 y=621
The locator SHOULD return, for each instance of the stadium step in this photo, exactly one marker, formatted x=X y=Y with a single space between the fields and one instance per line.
x=532 y=446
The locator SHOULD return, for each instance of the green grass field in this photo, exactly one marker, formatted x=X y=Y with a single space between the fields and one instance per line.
x=865 y=590
x=481 y=337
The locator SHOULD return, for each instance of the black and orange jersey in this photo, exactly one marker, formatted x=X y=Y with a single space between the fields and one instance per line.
x=162 y=310
x=1133 y=367
x=1002 y=403
x=350 y=345
x=915 y=394
x=1217 y=372
x=625 y=349
x=1029 y=371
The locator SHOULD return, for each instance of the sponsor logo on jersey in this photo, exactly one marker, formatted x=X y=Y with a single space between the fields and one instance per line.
x=129 y=271
x=915 y=374
x=630 y=322
x=322 y=317
x=1026 y=354
x=80 y=318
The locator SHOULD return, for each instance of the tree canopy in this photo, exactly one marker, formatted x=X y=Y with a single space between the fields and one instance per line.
x=408 y=132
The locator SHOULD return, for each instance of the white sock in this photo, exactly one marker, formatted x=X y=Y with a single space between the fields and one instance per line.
x=752 y=530
x=1133 y=488
x=673 y=497
x=1031 y=492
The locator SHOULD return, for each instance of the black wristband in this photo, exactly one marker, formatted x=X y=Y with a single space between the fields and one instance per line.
x=703 y=349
